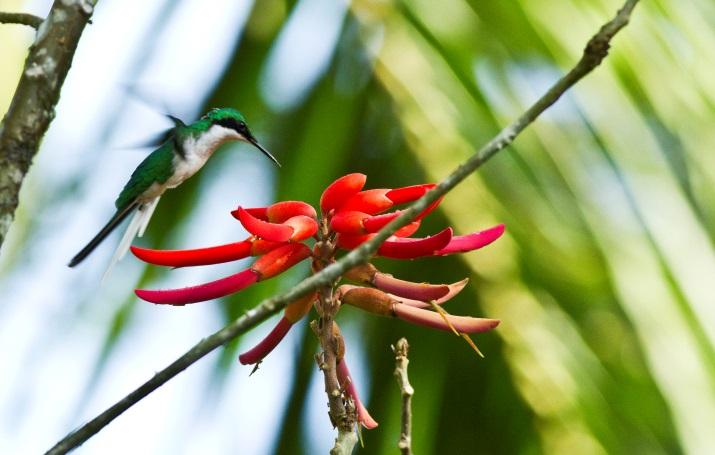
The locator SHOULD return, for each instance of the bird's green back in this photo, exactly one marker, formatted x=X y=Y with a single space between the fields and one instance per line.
x=156 y=168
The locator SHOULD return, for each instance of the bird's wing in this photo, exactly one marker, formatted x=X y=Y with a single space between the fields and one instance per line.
x=156 y=168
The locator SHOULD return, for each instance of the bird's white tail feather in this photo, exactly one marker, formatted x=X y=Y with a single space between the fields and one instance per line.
x=137 y=225
x=147 y=216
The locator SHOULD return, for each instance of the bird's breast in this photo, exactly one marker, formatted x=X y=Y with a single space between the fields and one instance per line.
x=184 y=168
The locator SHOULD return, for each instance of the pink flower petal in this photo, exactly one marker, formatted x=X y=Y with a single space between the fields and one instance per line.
x=469 y=242
x=409 y=289
x=201 y=292
x=454 y=289
x=410 y=248
x=434 y=320
x=262 y=349
x=346 y=382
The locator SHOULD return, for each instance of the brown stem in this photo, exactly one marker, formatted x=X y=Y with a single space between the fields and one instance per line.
x=21 y=19
x=329 y=274
x=331 y=342
x=401 y=361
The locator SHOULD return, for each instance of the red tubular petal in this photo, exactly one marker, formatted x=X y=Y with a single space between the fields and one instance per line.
x=303 y=226
x=408 y=248
x=258 y=212
x=199 y=256
x=434 y=320
x=377 y=222
x=346 y=382
x=348 y=222
x=263 y=229
x=409 y=193
x=348 y=242
x=408 y=230
x=368 y=201
x=262 y=349
x=474 y=241
x=408 y=289
x=280 y=260
x=454 y=289
x=201 y=292
x=281 y=211
x=341 y=190
x=260 y=246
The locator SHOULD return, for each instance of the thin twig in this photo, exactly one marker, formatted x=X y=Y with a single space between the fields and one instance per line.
x=21 y=18
x=594 y=53
x=401 y=349
x=33 y=104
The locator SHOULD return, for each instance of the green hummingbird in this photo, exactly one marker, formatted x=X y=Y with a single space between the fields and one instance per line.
x=185 y=150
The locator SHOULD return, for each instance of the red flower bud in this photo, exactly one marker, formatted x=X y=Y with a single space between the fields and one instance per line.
x=199 y=256
x=303 y=226
x=409 y=193
x=408 y=229
x=348 y=222
x=434 y=320
x=409 y=248
x=348 y=242
x=263 y=229
x=259 y=212
x=262 y=349
x=279 y=260
x=377 y=222
x=368 y=201
x=201 y=292
x=474 y=241
x=260 y=246
x=340 y=191
x=281 y=211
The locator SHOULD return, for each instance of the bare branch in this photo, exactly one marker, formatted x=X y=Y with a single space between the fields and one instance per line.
x=33 y=105
x=401 y=349
x=594 y=53
x=21 y=19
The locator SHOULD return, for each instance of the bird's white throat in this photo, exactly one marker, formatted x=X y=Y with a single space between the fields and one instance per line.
x=205 y=144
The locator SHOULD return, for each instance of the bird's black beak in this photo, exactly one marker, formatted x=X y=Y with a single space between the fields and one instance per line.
x=253 y=141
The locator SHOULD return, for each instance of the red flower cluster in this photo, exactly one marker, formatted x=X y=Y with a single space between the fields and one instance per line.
x=350 y=216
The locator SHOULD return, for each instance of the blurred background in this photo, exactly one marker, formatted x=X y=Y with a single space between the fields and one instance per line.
x=604 y=282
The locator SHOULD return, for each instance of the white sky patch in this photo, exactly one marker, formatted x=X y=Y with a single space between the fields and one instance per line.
x=302 y=51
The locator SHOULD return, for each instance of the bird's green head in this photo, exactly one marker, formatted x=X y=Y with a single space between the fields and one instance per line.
x=235 y=125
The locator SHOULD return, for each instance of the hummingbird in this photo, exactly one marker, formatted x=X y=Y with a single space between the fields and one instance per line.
x=186 y=148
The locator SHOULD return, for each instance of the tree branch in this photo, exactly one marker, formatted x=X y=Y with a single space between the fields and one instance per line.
x=33 y=105
x=594 y=53
x=21 y=18
x=401 y=349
